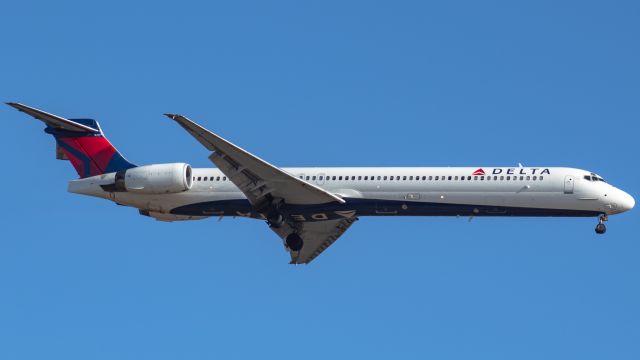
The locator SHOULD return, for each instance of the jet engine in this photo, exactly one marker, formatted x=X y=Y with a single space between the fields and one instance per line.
x=153 y=179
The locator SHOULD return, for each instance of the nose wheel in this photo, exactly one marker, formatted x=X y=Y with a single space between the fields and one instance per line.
x=601 y=228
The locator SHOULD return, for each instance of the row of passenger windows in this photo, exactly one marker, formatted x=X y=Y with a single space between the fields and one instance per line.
x=397 y=178
x=210 y=178
x=423 y=178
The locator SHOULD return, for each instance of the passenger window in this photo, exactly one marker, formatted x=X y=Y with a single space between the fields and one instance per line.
x=320 y=177
x=359 y=177
x=313 y=178
x=501 y=178
x=461 y=178
x=217 y=178
x=384 y=178
x=475 y=178
x=224 y=178
x=528 y=178
x=541 y=177
x=430 y=178
x=404 y=178
x=456 y=178
x=410 y=177
x=508 y=177
x=366 y=178
x=449 y=178
x=424 y=178
x=437 y=177
x=307 y=177
x=535 y=178
x=333 y=178
x=481 y=177
x=199 y=178
x=340 y=178
x=521 y=177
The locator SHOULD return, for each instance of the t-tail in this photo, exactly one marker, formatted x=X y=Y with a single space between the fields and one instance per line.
x=80 y=141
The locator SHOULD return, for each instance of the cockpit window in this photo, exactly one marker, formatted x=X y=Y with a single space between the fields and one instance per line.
x=594 y=177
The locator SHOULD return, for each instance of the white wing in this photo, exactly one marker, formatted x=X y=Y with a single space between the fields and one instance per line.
x=262 y=182
x=255 y=177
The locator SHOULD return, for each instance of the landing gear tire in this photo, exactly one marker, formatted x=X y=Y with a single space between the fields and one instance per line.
x=294 y=242
x=601 y=228
x=275 y=220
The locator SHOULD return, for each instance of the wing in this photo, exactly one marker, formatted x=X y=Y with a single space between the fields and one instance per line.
x=255 y=177
x=261 y=181
x=317 y=237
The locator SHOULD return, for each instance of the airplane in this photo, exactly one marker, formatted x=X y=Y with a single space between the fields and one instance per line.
x=309 y=208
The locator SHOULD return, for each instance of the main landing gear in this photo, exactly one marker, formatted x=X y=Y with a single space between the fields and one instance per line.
x=601 y=228
x=294 y=242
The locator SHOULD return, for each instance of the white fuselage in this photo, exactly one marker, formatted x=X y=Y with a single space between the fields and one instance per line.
x=425 y=191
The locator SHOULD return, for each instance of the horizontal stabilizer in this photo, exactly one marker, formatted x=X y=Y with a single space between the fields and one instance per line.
x=54 y=120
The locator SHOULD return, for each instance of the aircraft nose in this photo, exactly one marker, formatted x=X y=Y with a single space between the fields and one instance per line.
x=626 y=201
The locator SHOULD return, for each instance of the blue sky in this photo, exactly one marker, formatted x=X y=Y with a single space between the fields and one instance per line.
x=458 y=83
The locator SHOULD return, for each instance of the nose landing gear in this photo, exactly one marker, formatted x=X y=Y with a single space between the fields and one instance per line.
x=601 y=228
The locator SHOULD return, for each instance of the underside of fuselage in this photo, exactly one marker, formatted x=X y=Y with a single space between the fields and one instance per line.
x=372 y=207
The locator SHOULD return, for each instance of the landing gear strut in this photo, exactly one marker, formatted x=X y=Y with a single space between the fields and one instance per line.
x=601 y=228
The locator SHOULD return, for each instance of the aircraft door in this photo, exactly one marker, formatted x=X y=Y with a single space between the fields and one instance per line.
x=569 y=184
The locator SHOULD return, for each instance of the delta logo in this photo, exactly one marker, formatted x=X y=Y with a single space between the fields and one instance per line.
x=513 y=171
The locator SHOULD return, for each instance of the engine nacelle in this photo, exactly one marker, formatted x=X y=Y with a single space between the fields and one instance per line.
x=153 y=179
